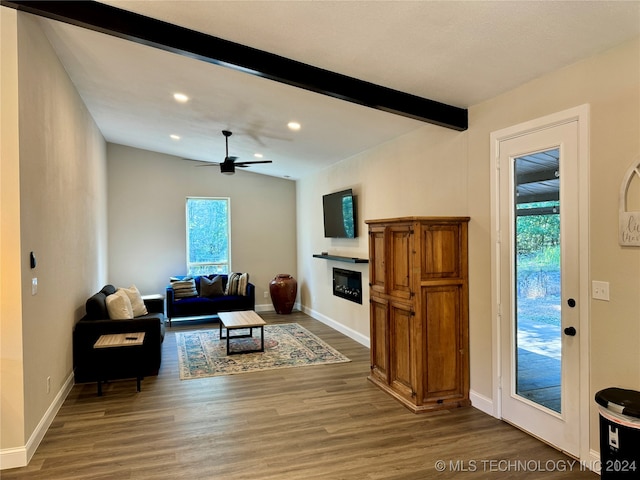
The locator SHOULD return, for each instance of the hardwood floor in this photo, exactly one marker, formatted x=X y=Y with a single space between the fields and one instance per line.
x=319 y=422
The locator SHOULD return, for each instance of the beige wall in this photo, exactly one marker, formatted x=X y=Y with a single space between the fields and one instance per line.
x=62 y=219
x=11 y=364
x=434 y=171
x=420 y=173
x=610 y=84
x=147 y=244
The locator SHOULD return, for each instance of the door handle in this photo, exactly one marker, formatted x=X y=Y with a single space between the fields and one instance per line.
x=571 y=302
x=571 y=331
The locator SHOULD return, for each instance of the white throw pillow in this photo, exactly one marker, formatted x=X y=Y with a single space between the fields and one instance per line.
x=119 y=306
x=242 y=284
x=184 y=288
x=237 y=284
x=137 y=304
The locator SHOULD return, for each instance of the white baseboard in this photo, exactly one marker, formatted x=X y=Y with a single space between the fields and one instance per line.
x=358 y=337
x=20 y=456
x=13 y=457
x=482 y=403
x=265 y=307
x=594 y=462
x=485 y=404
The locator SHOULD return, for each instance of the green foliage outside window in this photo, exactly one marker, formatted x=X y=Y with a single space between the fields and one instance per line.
x=208 y=235
x=537 y=233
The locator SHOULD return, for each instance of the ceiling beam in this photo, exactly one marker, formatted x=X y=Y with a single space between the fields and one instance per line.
x=544 y=175
x=183 y=41
x=530 y=212
x=538 y=197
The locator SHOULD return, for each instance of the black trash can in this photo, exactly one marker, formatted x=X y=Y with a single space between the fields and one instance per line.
x=619 y=433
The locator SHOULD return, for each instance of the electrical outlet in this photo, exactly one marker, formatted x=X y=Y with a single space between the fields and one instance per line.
x=266 y=294
x=48 y=384
x=600 y=290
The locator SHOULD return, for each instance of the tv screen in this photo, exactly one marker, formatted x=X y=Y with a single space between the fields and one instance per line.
x=339 y=210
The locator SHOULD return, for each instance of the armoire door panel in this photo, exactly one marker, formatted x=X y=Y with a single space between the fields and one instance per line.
x=379 y=338
x=377 y=249
x=444 y=352
x=402 y=348
x=441 y=253
x=400 y=261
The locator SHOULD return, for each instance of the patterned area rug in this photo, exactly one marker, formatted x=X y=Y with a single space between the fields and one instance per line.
x=201 y=353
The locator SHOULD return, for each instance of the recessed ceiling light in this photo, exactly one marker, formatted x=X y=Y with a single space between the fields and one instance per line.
x=175 y=137
x=293 y=126
x=180 y=97
x=258 y=155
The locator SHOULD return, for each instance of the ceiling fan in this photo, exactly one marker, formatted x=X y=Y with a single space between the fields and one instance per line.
x=228 y=167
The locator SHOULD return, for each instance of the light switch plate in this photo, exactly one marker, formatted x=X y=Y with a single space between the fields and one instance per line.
x=600 y=290
x=34 y=286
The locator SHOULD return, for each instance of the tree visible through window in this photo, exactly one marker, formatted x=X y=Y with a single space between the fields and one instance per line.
x=208 y=235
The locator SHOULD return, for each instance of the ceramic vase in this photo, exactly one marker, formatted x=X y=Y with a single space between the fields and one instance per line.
x=283 y=289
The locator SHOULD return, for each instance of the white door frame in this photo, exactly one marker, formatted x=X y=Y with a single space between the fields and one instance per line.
x=581 y=115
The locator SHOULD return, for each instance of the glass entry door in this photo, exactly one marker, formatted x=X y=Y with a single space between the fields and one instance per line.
x=538 y=284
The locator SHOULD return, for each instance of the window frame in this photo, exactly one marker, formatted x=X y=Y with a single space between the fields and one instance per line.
x=189 y=264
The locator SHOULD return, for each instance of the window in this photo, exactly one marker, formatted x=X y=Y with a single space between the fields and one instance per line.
x=208 y=235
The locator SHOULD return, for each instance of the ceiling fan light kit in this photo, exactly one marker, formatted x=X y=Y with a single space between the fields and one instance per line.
x=227 y=169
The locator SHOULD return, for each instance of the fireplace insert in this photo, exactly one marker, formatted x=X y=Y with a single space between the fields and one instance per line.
x=347 y=284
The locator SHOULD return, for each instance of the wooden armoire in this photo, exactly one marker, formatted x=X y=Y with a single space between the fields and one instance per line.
x=419 y=294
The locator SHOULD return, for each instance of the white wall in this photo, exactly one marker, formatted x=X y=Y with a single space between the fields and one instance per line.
x=61 y=157
x=147 y=233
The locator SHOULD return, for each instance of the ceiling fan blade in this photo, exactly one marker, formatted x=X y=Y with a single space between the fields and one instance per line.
x=239 y=164
x=208 y=164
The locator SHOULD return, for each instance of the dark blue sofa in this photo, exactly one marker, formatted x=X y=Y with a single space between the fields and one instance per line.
x=201 y=306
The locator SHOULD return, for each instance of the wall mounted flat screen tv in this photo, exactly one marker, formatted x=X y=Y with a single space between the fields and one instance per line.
x=340 y=218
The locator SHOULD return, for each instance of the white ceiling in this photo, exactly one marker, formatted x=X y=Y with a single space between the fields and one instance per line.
x=456 y=52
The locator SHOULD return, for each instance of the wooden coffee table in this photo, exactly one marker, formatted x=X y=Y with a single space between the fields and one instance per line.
x=240 y=320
